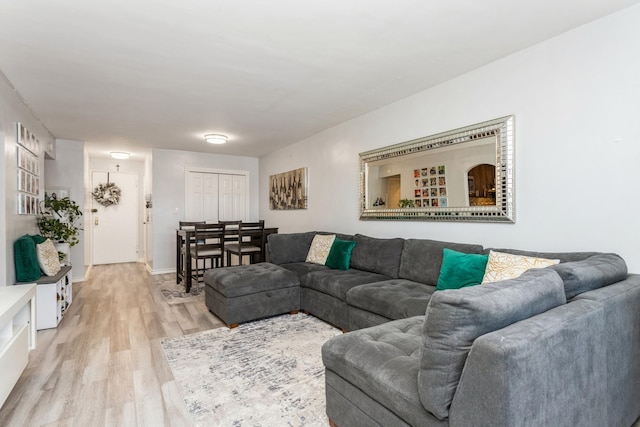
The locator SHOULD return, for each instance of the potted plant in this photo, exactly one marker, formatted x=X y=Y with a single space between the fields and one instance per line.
x=59 y=220
x=406 y=203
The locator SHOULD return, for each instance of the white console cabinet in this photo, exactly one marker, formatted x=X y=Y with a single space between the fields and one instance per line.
x=55 y=295
x=17 y=333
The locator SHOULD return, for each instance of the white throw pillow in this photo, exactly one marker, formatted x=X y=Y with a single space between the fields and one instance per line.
x=48 y=258
x=503 y=266
x=320 y=247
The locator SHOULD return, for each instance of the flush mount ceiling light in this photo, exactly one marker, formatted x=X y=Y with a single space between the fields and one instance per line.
x=216 y=138
x=120 y=155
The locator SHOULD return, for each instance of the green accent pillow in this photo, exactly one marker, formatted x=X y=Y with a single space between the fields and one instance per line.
x=340 y=254
x=459 y=270
x=38 y=239
x=26 y=259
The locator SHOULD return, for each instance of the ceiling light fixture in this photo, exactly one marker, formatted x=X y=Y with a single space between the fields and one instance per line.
x=216 y=138
x=120 y=155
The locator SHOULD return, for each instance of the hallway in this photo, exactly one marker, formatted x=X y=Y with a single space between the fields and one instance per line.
x=103 y=365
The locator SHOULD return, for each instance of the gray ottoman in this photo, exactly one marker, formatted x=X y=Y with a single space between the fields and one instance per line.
x=249 y=292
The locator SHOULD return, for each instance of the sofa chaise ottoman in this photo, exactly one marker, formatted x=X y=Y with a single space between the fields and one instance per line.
x=244 y=293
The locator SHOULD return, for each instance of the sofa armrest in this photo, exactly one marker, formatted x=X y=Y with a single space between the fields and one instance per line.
x=549 y=369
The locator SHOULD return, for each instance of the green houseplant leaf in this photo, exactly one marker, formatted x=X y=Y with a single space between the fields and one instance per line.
x=59 y=220
x=406 y=203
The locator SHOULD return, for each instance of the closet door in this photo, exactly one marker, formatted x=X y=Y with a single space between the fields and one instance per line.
x=239 y=183
x=226 y=198
x=210 y=198
x=202 y=197
x=233 y=197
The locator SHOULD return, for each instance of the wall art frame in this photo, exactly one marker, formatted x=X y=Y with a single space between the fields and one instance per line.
x=288 y=190
x=27 y=171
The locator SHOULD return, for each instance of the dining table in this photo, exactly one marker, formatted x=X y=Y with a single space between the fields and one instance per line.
x=186 y=235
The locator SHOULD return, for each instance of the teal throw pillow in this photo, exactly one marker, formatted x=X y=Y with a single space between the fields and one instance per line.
x=26 y=259
x=340 y=254
x=459 y=270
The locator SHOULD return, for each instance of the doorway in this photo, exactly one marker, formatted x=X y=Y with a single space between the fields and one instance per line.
x=391 y=186
x=115 y=227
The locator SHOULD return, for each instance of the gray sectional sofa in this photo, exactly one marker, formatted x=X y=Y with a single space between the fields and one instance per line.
x=556 y=346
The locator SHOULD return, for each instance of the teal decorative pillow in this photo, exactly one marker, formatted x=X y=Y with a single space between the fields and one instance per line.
x=460 y=270
x=340 y=254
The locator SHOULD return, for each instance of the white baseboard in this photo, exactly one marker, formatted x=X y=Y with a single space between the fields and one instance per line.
x=162 y=271
x=87 y=270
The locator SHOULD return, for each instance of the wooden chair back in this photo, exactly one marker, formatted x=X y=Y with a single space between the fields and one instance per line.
x=209 y=238
x=250 y=235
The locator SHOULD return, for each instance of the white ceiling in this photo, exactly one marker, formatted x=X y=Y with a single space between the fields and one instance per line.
x=130 y=75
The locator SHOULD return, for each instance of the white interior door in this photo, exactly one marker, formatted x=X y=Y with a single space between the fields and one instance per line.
x=239 y=197
x=195 y=188
x=226 y=198
x=202 y=197
x=213 y=197
x=115 y=227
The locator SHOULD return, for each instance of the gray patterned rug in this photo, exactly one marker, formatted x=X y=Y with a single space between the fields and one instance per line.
x=174 y=293
x=263 y=373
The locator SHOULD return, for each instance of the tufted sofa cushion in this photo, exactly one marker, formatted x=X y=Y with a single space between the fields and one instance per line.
x=337 y=282
x=455 y=318
x=591 y=273
x=393 y=299
x=422 y=258
x=242 y=280
x=380 y=256
x=288 y=248
x=383 y=363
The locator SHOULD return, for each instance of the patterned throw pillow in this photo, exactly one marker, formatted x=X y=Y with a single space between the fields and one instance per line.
x=503 y=266
x=48 y=258
x=320 y=247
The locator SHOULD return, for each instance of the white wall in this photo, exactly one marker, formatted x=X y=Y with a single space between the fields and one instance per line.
x=67 y=170
x=12 y=225
x=576 y=103
x=168 y=172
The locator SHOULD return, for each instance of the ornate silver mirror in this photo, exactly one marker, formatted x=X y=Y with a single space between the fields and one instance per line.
x=466 y=174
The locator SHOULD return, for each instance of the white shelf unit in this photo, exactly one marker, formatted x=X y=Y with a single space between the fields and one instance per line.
x=55 y=295
x=17 y=333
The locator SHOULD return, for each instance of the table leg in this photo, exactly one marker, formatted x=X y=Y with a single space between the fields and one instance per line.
x=187 y=260
x=178 y=257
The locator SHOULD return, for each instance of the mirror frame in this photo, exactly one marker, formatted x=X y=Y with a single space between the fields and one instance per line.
x=504 y=209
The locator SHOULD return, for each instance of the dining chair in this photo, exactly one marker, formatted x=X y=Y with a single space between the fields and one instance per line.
x=182 y=252
x=231 y=232
x=208 y=246
x=249 y=243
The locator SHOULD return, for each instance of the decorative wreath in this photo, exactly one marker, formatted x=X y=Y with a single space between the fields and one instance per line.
x=107 y=194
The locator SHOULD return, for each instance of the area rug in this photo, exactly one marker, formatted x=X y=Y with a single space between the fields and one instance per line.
x=263 y=373
x=174 y=293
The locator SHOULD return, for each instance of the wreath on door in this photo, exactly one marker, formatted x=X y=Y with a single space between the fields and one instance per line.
x=107 y=194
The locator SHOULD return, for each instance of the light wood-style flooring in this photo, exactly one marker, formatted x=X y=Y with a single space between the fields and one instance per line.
x=103 y=365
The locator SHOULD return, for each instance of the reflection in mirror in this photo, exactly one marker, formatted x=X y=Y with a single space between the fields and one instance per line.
x=482 y=185
x=461 y=175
